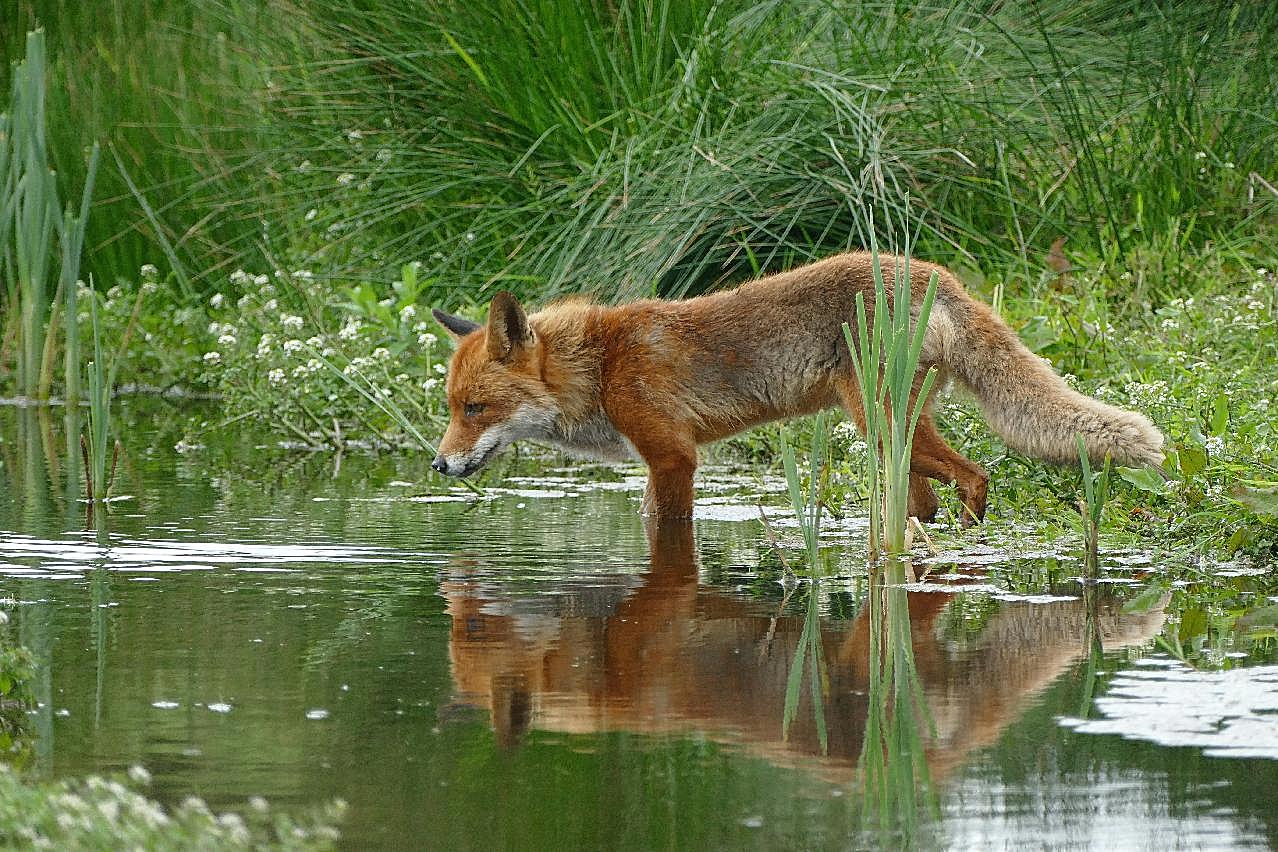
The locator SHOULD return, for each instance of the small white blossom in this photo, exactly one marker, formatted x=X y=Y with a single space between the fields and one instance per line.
x=261 y=280
x=149 y=271
x=241 y=278
x=381 y=353
x=215 y=301
x=407 y=312
x=430 y=384
x=276 y=376
x=139 y=774
x=226 y=340
x=291 y=321
x=213 y=357
x=311 y=214
x=345 y=178
x=291 y=346
x=350 y=331
x=304 y=166
x=439 y=368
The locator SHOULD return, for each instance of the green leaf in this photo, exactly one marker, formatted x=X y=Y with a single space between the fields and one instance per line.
x=1192 y=623
x=1193 y=460
x=1144 y=478
x=1146 y=600
x=1262 y=501
x=1219 y=416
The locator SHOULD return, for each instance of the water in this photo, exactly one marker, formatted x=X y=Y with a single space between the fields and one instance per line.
x=530 y=670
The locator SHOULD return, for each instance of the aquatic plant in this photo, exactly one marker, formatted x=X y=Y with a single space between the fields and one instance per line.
x=885 y=355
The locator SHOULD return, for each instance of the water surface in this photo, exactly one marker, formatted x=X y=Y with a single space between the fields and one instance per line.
x=534 y=669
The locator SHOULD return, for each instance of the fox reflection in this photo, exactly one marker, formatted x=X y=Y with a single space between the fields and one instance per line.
x=661 y=654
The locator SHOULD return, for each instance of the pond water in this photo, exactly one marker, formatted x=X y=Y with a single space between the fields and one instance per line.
x=533 y=669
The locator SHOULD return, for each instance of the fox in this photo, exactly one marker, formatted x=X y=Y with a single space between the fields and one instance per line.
x=654 y=379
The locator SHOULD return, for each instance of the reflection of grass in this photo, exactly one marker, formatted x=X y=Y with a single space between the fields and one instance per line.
x=893 y=756
x=808 y=512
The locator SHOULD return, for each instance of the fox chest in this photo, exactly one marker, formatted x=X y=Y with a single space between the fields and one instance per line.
x=597 y=438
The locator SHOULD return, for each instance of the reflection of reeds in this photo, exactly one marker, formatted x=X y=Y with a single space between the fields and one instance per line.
x=893 y=760
x=808 y=512
x=885 y=354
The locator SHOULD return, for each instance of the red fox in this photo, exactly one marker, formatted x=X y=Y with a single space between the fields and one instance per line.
x=655 y=379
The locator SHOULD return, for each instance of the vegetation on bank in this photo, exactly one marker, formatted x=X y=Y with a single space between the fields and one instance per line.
x=1103 y=173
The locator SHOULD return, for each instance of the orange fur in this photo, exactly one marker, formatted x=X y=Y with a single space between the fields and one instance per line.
x=655 y=379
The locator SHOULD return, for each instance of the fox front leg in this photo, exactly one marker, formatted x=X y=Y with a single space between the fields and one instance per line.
x=671 y=465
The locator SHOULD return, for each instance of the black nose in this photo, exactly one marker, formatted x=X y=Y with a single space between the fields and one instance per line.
x=439 y=464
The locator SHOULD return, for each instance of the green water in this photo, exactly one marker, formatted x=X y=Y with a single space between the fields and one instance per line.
x=533 y=670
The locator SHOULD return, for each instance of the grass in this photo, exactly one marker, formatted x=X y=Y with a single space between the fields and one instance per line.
x=885 y=355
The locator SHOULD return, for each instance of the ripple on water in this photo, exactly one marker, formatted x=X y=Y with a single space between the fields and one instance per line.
x=1231 y=713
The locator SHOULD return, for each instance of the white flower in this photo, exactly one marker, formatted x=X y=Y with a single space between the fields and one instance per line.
x=350 y=331
x=303 y=274
x=139 y=775
x=345 y=178
x=215 y=328
x=354 y=135
x=470 y=236
x=270 y=305
x=384 y=155
x=149 y=271
x=402 y=377
x=439 y=368
x=314 y=342
x=381 y=353
x=304 y=166
x=213 y=357
x=226 y=340
x=261 y=280
x=241 y=278
x=276 y=376
x=264 y=345
x=407 y=312
x=328 y=352
x=311 y=214
x=430 y=384
x=291 y=346
x=215 y=301
x=291 y=321
x=1201 y=155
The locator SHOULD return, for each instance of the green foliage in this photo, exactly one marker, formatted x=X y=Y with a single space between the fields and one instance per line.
x=17 y=671
x=285 y=357
x=622 y=147
x=100 y=813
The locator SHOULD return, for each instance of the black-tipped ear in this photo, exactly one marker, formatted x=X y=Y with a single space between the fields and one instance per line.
x=455 y=326
x=508 y=330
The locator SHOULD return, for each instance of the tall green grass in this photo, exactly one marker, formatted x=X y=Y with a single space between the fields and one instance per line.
x=182 y=93
x=622 y=147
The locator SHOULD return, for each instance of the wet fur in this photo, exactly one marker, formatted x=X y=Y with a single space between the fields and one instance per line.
x=657 y=378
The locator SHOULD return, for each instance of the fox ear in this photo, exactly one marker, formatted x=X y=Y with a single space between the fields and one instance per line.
x=508 y=330
x=456 y=327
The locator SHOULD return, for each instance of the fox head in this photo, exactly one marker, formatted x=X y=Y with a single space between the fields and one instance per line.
x=495 y=390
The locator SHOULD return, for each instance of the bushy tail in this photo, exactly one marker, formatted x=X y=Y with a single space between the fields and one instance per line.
x=1028 y=404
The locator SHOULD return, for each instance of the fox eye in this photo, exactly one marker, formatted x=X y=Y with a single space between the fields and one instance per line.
x=473 y=409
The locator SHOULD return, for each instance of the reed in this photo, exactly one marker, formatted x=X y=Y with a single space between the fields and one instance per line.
x=29 y=201
x=97 y=445
x=885 y=355
x=1095 y=496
